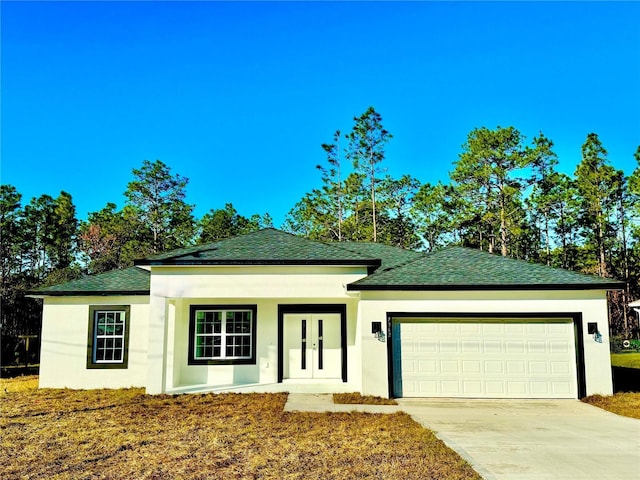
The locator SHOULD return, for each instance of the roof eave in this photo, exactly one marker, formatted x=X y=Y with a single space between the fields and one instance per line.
x=515 y=287
x=240 y=262
x=84 y=293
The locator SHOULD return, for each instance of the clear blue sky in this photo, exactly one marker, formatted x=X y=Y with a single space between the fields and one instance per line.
x=239 y=96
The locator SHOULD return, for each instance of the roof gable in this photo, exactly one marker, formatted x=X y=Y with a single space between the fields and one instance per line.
x=453 y=268
x=264 y=247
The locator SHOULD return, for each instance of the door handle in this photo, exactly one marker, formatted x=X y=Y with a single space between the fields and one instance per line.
x=313 y=346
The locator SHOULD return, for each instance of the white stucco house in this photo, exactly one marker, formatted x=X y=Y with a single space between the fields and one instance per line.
x=269 y=311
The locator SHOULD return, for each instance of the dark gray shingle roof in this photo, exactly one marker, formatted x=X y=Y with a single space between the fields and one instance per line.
x=264 y=247
x=453 y=268
x=390 y=256
x=128 y=281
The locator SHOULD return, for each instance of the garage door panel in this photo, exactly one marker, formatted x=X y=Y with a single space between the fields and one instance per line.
x=471 y=346
x=450 y=387
x=538 y=368
x=559 y=347
x=490 y=358
x=470 y=329
x=561 y=388
x=448 y=346
x=425 y=346
x=492 y=346
x=494 y=388
x=448 y=366
x=560 y=368
x=471 y=367
x=516 y=389
x=514 y=328
x=514 y=346
x=472 y=388
x=427 y=366
x=516 y=368
x=494 y=367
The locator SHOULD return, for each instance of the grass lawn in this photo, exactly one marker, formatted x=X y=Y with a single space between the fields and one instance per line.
x=356 y=398
x=624 y=403
x=62 y=434
x=628 y=360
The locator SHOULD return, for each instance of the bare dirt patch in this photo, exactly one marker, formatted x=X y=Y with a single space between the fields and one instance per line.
x=62 y=434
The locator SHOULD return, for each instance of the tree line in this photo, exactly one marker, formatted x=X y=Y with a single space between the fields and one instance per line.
x=504 y=195
x=44 y=243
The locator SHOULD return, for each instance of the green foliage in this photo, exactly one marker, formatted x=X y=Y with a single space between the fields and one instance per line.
x=361 y=204
x=367 y=142
x=617 y=344
x=597 y=182
x=227 y=222
x=398 y=226
x=157 y=197
x=333 y=189
x=432 y=209
x=502 y=193
x=38 y=246
x=112 y=239
x=43 y=243
x=488 y=179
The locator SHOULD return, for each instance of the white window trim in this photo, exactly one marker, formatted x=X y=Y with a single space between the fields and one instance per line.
x=122 y=314
x=223 y=334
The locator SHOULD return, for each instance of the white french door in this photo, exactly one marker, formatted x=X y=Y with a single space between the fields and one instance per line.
x=313 y=347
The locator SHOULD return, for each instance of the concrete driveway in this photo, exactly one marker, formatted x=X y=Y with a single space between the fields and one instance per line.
x=534 y=439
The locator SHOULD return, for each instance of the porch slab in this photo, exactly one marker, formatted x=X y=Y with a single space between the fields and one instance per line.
x=285 y=387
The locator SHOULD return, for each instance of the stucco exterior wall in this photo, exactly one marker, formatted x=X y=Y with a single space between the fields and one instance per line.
x=159 y=326
x=265 y=371
x=65 y=329
x=374 y=306
x=175 y=289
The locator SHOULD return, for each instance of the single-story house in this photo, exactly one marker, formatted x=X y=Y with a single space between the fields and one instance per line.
x=269 y=311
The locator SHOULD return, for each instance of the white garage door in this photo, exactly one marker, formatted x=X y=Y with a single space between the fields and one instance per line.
x=501 y=358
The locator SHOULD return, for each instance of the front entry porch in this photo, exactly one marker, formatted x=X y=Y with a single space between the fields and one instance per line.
x=285 y=347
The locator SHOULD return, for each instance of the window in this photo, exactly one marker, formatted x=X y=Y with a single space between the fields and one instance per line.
x=108 y=343
x=222 y=334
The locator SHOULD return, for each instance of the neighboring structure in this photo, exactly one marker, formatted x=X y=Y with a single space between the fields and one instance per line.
x=269 y=311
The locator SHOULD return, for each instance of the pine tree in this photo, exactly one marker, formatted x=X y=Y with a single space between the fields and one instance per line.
x=367 y=142
x=596 y=182
x=486 y=175
x=158 y=197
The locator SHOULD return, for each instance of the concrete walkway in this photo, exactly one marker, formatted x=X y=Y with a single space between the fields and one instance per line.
x=519 y=439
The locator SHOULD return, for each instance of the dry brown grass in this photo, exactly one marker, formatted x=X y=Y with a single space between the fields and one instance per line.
x=357 y=398
x=64 y=434
x=18 y=384
x=626 y=404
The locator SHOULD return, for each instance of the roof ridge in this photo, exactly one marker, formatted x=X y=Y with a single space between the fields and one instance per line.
x=267 y=245
x=341 y=246
x=419 y=257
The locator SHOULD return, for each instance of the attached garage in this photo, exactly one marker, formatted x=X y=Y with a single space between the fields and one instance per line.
x=486 y=356
x=468 y=324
